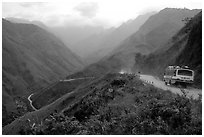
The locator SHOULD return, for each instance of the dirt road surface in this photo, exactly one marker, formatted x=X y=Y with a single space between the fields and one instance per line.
x=66 y=80
x=160 y=84
x=31 y=102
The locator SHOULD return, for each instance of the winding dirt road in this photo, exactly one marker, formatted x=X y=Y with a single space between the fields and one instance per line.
x=160 y=84
x=66 y=80
x=31 y=102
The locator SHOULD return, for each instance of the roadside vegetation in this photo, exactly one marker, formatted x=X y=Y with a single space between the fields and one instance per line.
x=122 y=104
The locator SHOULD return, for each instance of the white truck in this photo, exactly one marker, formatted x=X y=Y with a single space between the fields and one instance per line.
x=177 y=74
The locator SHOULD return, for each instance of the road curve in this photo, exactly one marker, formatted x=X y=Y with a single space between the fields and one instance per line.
x=191 y=92
x=31 y=102
x=66 y=80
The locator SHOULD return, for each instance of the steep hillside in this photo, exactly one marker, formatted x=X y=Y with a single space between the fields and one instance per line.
x=114 y=104
x=74 y=37
x=164 y=26
x=31 y=58
x=111 y=40
x=192 y=53
x=24 y=21
x=185 y=48
x=158 y=29
x=56 y=90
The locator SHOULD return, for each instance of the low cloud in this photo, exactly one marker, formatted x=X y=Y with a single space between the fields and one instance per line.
x=87 y=9
x=31 y=4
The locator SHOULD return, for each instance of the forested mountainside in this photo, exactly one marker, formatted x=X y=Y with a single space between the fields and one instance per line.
x=32 y=59
x=155 y=32
x=185 y=48
x=164 y=24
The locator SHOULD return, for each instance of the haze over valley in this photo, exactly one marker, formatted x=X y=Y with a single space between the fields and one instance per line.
x=98 y=67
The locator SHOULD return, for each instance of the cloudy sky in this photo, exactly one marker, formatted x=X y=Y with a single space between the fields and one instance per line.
x=106 y=13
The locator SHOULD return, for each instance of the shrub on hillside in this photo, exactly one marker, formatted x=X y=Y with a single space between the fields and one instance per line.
x=152 y=111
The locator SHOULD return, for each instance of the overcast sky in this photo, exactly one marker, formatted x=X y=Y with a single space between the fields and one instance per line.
x=106 y=13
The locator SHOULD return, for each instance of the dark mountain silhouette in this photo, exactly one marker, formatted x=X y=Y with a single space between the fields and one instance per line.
x=32 y=58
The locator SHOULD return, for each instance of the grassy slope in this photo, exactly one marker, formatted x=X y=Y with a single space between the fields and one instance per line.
x=57 y=105
x=46 y=96
x=113 y=104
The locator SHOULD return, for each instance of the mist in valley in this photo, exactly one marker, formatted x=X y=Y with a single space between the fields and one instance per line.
x=99 y=67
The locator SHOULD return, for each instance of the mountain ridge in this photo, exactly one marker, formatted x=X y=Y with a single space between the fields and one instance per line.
x=123 y=56
x=185 y=48
x=32 y=58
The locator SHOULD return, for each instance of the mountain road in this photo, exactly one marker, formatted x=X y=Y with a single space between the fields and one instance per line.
x=66 y=80
x=190 y=92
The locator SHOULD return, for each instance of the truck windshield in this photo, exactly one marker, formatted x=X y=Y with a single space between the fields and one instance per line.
x=185 y=72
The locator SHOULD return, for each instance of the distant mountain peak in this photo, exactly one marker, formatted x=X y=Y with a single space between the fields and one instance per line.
x=177 y=10
x=26 y=21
